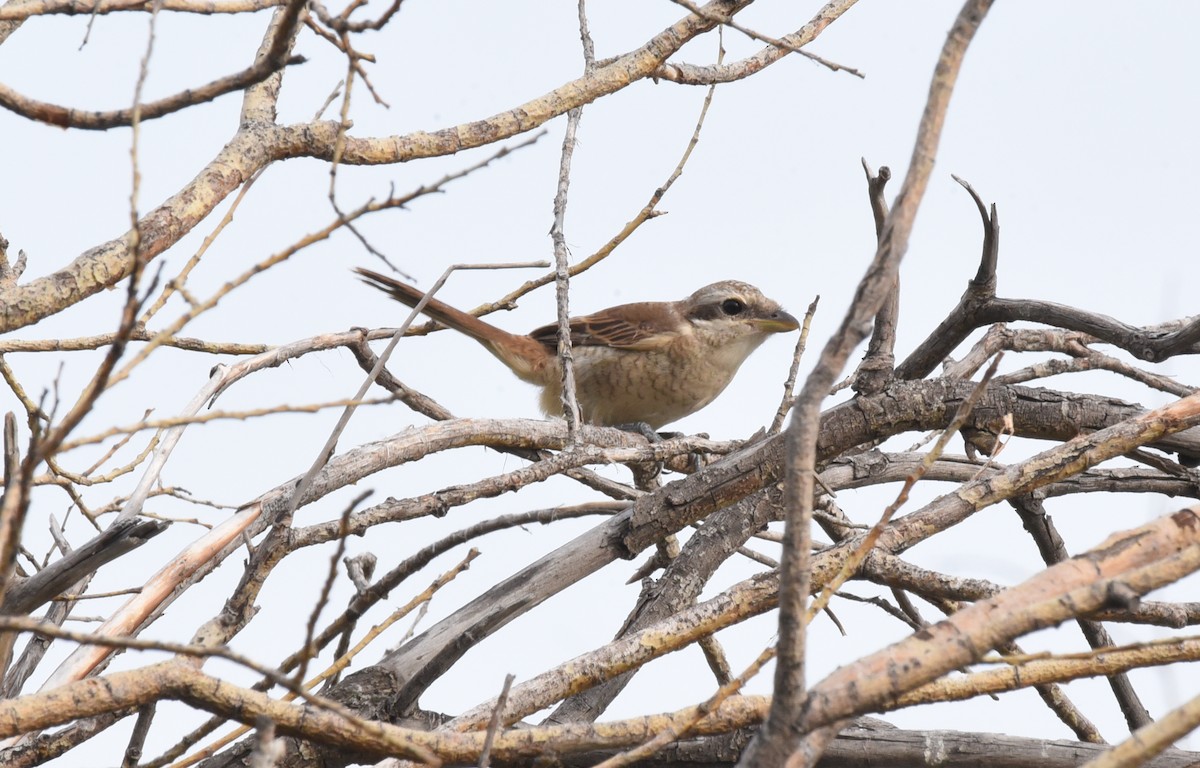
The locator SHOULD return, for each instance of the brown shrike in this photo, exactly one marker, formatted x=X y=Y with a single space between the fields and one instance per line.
x=653 y=362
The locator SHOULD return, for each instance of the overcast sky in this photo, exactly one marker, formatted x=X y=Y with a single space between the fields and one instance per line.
x=1078 y=119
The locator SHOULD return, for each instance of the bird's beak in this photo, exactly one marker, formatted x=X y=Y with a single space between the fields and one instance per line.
x=777 y=322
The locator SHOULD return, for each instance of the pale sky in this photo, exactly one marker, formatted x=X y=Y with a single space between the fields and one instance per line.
x=1078 y=119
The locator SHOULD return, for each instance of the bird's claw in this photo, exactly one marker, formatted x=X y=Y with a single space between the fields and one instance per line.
x=645 y=430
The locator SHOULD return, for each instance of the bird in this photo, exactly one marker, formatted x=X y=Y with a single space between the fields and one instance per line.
x=648 y=363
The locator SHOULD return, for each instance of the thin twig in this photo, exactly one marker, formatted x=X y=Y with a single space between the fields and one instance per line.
x=323 y=597
x=570 y=403
x=327 y=450
x=485 y=755
x=785 y=404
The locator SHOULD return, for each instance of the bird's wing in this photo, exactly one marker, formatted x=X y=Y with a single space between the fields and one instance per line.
x=642 y=327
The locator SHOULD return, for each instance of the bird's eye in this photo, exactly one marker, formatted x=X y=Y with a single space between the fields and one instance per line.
x=732 y=306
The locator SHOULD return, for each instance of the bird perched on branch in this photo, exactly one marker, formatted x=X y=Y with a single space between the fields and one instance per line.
x=647 y=363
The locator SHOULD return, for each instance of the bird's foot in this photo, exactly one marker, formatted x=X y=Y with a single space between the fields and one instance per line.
x=645 y=430
x=645 y=476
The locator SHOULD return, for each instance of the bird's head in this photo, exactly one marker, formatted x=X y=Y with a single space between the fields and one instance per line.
x=737 y=308
x=733 y=318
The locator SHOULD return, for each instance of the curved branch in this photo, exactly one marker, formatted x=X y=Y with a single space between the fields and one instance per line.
x=255 y=145
x=979 y=306
x=107 y=264
x=690 y=74
x=321 y=140
x=66 y=117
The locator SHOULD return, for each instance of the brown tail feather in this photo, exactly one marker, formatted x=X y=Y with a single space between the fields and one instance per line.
x=526 y=357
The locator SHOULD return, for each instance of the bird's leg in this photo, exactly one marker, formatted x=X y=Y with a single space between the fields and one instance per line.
x=697 y=458
x=645 y=474
x=645 y=430
x=698 y=462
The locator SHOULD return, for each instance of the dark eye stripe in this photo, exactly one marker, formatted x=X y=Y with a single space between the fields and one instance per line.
x=707 y=312
x=718 y=309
